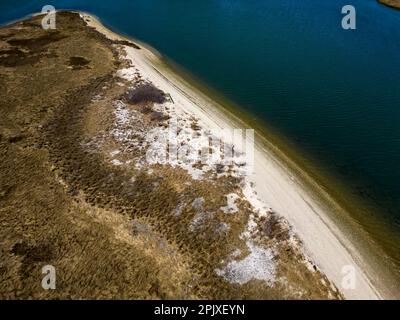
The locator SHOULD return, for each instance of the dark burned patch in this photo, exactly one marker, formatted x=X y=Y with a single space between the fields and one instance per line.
x=145 y=93
x=78 y=62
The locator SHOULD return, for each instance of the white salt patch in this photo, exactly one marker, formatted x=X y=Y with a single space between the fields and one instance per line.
x=127 y=74
x=222 y=228
x=196 y=222
x=114 y=153
x=200 y=216
x=138 y=165
x=231 y=207
x=199 y=219
x=259 y=206
x=236 y=253
x=257 y=265
x=121 y=113
x=181 y=149
x=178 y=210
x=116 y=162
x=251 y=227
x=188 y=141
x=198 y=203
x=97 y=97
x=128 y=128
x=188 y=148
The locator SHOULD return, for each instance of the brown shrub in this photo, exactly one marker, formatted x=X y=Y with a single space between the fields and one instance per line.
x=145 y=93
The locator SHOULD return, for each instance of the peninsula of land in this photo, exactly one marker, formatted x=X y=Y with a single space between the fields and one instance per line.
x=85 y=186
x=391 y=3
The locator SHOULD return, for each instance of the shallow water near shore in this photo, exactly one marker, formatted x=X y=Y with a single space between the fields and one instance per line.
x=331 y=93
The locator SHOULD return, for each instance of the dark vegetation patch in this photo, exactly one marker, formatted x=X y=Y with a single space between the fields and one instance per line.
x=146 y=109
x=145 y=93
x=220 y=168
x=5 y=191
x=26 y=51
x=158 y=116
x=78 y=62
x=36 y=44
x=127 y=43
x=271 y=227
x=15 y=57
x=195 y=126
x=31 y=255
x=15 y=138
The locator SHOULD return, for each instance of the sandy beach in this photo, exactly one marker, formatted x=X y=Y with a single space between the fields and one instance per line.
x=275 y=184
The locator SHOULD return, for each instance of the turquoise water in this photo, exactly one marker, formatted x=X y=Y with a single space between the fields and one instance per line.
x=334 y=93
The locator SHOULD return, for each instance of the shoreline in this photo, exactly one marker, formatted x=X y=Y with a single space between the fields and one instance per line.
x=323 y=241
x=394 y=4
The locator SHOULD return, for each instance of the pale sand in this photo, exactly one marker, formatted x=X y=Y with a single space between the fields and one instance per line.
x=275 y=183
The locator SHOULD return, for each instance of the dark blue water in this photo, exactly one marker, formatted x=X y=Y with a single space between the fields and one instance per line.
x=335 y=93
